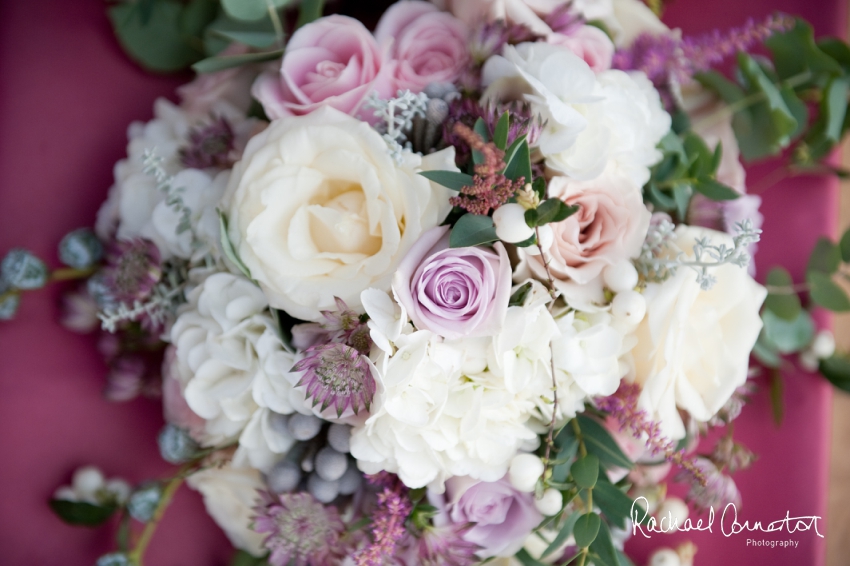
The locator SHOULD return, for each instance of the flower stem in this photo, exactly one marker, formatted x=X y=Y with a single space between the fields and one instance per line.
x=69 y=273
x=549 y=280
x=9 y=294
x=137 y=554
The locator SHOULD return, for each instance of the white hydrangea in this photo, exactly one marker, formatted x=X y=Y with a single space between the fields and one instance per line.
x=232 y=368
x=136 y=206
x=611 y=120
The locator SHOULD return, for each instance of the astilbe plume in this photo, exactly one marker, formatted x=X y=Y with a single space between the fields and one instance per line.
x=388 y=520
x=490 y=188
x=623 y=406
x=666 y=59
x=301 y=531
x=209 y=146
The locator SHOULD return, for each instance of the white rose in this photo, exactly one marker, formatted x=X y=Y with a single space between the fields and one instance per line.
x=320 y=210
x=232 y=367
x=611 y=120
x=230 y=495
x=693 y=346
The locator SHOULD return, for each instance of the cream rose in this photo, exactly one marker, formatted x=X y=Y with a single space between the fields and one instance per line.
x=318 y=209
x=693 y=346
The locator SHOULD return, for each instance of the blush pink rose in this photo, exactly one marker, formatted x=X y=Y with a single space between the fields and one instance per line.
x=428 y=46
x=454 y=292
x=609 y=227
x=588 y=42
x=333 y=61
x=503 y=516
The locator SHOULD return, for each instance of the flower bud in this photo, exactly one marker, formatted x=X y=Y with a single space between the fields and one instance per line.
x=620 y=277
x=284 y=476
x=175 y=445
x=511 y=227
x=8 y=305
x=80 y=249
x=550 y=503
x=629 y=306
x=664 y=557
x=113 y=559
x=22 y=270
x=143 y=502
x=323 y=490
x=339 y=437
x=304 y=427
x=674 y=511
x=330 y=464
x=87 y=480
x=524 y=471
x=823 y=346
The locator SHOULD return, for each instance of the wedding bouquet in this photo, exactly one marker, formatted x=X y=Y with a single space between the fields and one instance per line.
x=461 y=289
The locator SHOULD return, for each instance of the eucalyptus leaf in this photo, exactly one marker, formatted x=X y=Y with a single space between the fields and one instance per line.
x=788 y=336
x=472 y=230
x=844 y=246
x=765 y=352
x=227 y=247
x=585 y=471
x=795 y=52
x=826 y=293
x=600 y=443
x=449 y=179
x=500 y=135
x=221 y=62
x=585 y=529
x=526 y=559
x=251 y=10
x=81 y=513
x=784 y=305
x=562 y=536
x=836 y=369
x=603 y=547
x=726 y=89
x=825 y=257
x=614 y=504
x=310 y=11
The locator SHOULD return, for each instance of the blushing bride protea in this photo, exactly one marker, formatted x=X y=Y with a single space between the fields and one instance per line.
x=301 y=531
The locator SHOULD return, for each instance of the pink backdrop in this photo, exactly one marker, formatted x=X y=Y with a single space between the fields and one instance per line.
x=67 y=95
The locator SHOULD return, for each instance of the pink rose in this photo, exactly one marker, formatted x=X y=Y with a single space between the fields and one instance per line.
x=333 y=61
x=528 y=13
x=429 y=46
x=454 y=292
x=503 y=516
x=609 y=227
x=588 y=42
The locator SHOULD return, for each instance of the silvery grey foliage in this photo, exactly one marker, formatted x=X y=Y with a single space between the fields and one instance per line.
x=8 y=303
x=175 y=444
x=655 y=267
x=165 y=184
x=396 y=117
x=114 y=559
x=160 y=307
x=144 y=501
x=80 y=249
x=21 y=269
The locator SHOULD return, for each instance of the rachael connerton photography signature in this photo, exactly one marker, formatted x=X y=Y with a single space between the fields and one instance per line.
x=729 y=523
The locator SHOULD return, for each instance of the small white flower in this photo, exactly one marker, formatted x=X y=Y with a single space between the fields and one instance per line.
x=90 y=486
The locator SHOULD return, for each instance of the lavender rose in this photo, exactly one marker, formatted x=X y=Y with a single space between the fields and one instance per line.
x=333 y=61
x=428 y=46
x=454 y=292
x=503 y=516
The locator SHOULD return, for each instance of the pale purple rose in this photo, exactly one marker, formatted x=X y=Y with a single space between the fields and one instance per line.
x=333 y=61
x=454 y=292
x=428 y=46
x=503 y=516
x=588 y=42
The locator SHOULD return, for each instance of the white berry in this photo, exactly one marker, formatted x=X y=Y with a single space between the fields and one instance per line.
x=550 y=503
x=330 y=464
x=823 y=345
x=524 y=472
x=87 y=481
x=304 y=427
x=350 y=481
x=339 y=437
x=284 y=476
x=673 y=511
x=323 y=490
x=620 y=276
x=629 y=306
x=664 y=557
x=510 y=223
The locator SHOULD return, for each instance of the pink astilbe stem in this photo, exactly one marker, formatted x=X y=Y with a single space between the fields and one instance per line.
x=623 y=406
x=388 y=523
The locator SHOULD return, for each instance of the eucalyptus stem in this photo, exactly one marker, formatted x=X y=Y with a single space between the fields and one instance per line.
x=69 y=273
x=278 y=27
x=787 y=289
x=549 y=279
x=9 y=294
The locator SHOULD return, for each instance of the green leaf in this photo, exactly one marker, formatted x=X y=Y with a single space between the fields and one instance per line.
x=526 y=559
x=518 y=297
x=585 y=470
x=310 y=11
x=725 y=89
x=251 y=10
x=826 y=293
x=586 y=529
x=472 y=230
x=716 y=158
x=449 y=179
x=825 y=257
x=765 y=352
x=698 y=154
x=777 y=397
x=795 y=52
x=500 y=136
x=567 y=447
x=242 y=558
x=228 y=249
x=221 y=62
x=159 y=44
x=783 y=305
x=520 y=163
x=563 y=535
x=81 y=513
x=682 y=193
x=659 y=198
x=603 y=546
x=196 y=16
x=224 y=30
x=844 y=246
x=480 y=128
x=614 y=504
x=838 y=50
x=834 y=107
x=599 y=442
x=836 y=369
x=788 y=336
x=256 y=39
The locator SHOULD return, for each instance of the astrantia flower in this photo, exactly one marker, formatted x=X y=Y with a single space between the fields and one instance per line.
x=209 y=146
x=301 y=531
x=336 y=374
x=445 y=546
x=133 y=269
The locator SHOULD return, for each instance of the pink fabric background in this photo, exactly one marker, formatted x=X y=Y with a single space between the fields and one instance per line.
x=67 y=94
